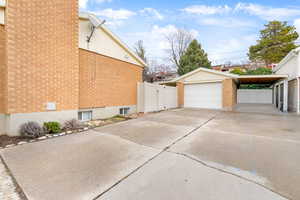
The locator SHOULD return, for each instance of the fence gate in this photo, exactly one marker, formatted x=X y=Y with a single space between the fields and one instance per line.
x=153 y=97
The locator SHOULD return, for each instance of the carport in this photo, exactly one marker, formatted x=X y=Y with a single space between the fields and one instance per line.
x=276 y=94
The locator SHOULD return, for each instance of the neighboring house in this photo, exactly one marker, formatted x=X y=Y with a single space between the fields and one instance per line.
x=211 y=89
x=244 y=67
x=49 y=72
x=291 y=65
x=162 y=76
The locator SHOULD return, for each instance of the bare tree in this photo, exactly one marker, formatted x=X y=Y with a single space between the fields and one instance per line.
x=140 y=50
x=178 y=42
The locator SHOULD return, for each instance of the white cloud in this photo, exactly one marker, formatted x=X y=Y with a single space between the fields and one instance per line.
x=152 y=13
x=207 y=10
x=83 y=3
x=120 y=14
x=226 y=22
x=232 y=49
x=267 y=13
x=155 y=41
x=297 y=25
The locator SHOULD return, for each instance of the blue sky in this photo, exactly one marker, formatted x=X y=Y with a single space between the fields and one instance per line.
x=224 y=28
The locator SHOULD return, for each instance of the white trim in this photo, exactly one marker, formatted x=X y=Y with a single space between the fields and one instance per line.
x=288 y=57
x=84 y=15
x=205 y=70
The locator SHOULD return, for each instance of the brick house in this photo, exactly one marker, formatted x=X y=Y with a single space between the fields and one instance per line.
x=50 y=72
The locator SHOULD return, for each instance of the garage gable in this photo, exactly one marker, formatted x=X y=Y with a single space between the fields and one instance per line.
x=202 y=75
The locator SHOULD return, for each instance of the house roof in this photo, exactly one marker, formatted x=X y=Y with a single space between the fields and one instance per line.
x=205 y=70
x=84 y=15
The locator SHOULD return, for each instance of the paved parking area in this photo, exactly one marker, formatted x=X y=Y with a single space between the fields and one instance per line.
x=179 y=154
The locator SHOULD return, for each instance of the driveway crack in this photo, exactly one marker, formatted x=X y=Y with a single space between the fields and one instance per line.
x=229 y=173
x=153 y=157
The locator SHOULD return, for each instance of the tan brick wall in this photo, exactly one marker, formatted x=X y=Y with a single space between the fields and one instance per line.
x=180 y=93
x=42 y=51
x=2 y=69
x=106 y=81
x=229 y=94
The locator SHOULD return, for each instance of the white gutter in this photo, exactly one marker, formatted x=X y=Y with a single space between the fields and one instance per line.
x=291 y=55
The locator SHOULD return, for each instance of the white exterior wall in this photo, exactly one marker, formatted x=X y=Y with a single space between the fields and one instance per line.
x=290 y=68
x=2 y=16
x=255 y=96
x=107 y=112
x=14 y=121
x=202 y=76
x=102 y=43
x=152 y=97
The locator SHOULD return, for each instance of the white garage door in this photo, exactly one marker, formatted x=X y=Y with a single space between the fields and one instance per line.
x=206 y=95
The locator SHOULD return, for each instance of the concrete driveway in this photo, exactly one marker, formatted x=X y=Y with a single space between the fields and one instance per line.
x=179 y=154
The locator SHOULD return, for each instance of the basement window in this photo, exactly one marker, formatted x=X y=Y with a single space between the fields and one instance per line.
x=124 y=111
x=85 y=116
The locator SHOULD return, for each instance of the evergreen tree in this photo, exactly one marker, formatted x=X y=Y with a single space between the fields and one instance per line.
x=275 y=42
x=193 y=58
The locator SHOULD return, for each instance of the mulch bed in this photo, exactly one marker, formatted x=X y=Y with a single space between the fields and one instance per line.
x=6 y=140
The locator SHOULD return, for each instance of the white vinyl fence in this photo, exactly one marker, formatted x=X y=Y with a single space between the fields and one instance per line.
x=153 y=97
x=260 y=96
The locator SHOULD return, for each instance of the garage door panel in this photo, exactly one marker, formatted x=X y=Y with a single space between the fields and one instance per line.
x=208 y=95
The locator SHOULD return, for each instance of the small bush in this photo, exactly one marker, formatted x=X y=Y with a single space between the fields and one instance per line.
x=72 y=124
x=52 y=127
x=31 y=130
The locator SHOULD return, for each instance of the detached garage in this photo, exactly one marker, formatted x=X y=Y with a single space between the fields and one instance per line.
x=208 y=89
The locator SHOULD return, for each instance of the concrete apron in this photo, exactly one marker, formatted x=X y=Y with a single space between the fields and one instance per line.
x=138 y=159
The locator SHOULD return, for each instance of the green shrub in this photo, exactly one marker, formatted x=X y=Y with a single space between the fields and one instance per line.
x=52 y=127
x=31 y=130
